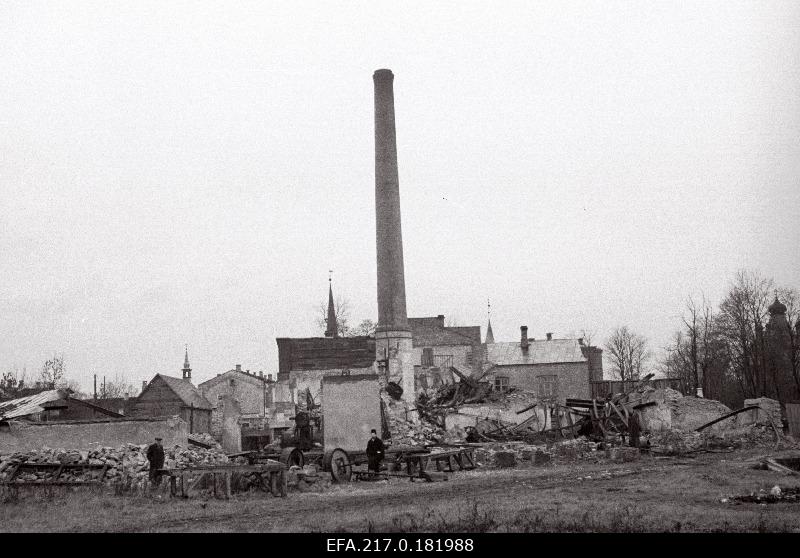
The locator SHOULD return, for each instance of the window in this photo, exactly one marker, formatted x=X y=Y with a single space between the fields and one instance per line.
x=501 y=383
x=427 y=357
x=548 y=386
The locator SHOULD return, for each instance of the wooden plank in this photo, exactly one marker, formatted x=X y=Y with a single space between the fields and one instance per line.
x=723 y=417
x=597 y=417
x=616 y=410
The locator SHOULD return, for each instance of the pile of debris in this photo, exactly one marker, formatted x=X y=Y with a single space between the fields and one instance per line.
x=127 y=463
x=775 y=495
x=497 y=454
x=306 y=479
x=405 y=432
x=204 y=440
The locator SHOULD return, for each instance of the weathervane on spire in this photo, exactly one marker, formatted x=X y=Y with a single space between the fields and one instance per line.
x=489 y=332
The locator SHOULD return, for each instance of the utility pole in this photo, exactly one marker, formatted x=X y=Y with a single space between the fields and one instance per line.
x=95 y=387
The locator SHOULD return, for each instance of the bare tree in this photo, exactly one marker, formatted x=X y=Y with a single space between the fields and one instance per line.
x=628 y=353
x=118 y=387
x=740 y=323
x=12 y=382
x=52 y=372
x=366 y=327
x=791 y=299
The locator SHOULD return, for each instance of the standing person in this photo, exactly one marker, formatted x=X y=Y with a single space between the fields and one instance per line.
x=155 y=455
x=635 y=429
x=374 y=452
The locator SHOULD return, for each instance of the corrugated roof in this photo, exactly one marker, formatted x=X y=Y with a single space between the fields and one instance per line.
x=189 y=394
x=29 y=405
x=539 y=352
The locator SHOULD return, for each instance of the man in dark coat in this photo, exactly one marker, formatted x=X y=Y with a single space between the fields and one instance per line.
x=374 y=452
x=635 y=429
x=155 y=455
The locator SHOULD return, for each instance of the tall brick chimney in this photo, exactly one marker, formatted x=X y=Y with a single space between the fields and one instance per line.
x=391 y=278
x=392 y=334
x=523 y=337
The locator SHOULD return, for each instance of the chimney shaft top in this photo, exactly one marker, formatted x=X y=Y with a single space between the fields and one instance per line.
x=523 y=337
x=383 y=74
x=549 y=336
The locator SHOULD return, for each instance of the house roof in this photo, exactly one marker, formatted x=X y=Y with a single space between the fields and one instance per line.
x=539 y=352
x=29 y=405
x=431 y=332
x=61 y=403
x=184 y=389
x=226 y=376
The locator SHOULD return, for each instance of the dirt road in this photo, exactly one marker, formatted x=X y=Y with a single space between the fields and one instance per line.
x=674 y=494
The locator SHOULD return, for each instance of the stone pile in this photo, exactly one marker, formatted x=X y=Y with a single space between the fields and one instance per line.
x=567 y=450
x=676 y=442
x=305 y=479
x=126 y=464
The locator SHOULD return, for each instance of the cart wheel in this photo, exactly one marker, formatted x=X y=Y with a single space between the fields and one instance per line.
x=292 y=456
x=338 y=462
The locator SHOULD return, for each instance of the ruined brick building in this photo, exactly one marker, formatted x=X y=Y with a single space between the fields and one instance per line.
x=554 y=369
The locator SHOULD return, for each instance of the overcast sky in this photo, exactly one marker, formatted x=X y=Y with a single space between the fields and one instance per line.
x=187 y=172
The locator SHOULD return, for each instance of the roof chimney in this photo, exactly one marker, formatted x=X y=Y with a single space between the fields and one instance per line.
x=440 y=319
x=144 y=384
x=580 y=340
x=238 y=367
x=523 y=337
x=549 y=336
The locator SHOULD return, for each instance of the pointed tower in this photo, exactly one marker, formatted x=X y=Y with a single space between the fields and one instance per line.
x=187 y=371
x=489 y=334
x=332 y=326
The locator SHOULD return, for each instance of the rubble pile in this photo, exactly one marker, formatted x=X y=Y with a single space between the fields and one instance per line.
x=677 y=442
x=306 y=479
x=407 y=433
x=486 y=455
x=773 y=496
x=206 y=439
x=127 y=463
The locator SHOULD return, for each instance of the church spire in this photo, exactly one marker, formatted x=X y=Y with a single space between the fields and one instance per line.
x=489 y=334
x=332 y=327
x=187 y=371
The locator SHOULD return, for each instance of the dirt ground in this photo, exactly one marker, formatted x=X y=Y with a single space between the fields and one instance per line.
x=648 y=495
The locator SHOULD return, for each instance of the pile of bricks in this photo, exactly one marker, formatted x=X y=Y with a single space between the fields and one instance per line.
x=127 y=463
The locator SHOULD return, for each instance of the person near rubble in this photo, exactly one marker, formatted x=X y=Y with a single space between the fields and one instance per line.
x=635 y=430
x=155 y=455
x=374 y=452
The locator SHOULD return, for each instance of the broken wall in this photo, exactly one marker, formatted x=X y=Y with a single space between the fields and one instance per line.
x=87 y=435
x=351 y=410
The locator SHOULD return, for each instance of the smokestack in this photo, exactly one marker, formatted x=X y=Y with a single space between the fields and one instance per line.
x=523 y=337
x=391 y=280
x=549 y=336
